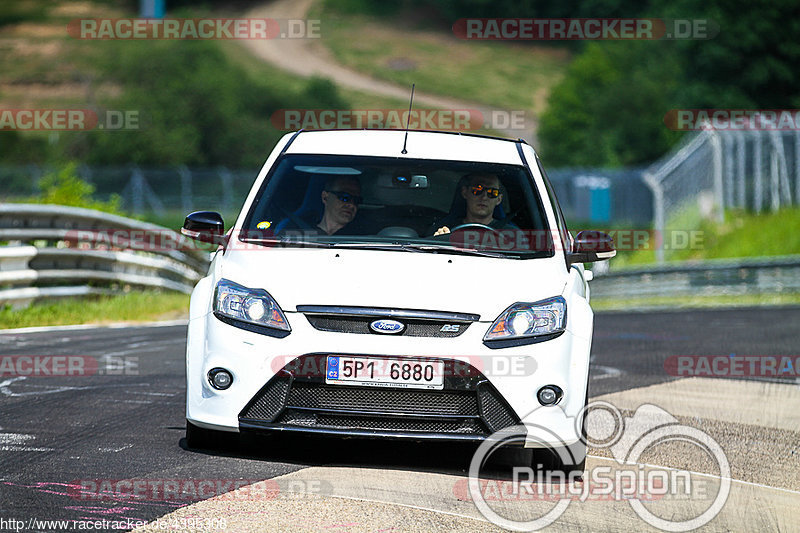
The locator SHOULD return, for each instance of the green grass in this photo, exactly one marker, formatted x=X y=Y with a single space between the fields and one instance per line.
x=741 y=235
x=505 y=75
x=141 y=306
x=694 y=302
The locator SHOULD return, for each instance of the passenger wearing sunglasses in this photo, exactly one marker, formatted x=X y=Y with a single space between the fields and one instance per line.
x=482 y=195
x=341 y=198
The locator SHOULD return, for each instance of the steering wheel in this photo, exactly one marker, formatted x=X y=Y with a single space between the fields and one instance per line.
x=473 y=225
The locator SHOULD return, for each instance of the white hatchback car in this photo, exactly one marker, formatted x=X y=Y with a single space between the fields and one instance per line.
x=377 y=285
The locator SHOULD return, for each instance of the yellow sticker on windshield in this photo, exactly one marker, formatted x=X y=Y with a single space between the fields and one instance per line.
x=264 y=224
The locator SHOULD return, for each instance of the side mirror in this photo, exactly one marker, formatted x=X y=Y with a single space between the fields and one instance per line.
x=591 y=246
x=205 y=226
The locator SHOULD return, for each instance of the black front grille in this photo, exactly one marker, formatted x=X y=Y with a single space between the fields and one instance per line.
x=269 y=402
x=402 y=401
x=414 y=327
x=466 y=407
x=332 y=421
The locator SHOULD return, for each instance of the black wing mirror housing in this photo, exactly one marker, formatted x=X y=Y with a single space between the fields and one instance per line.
x=591 y=246
x=205 y=226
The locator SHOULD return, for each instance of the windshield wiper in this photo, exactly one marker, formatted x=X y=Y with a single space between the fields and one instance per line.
x=283 y=241
x=457 y=250
x=422 y=248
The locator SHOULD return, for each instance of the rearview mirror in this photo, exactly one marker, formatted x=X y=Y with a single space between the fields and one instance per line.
x=205 y=226
x=591 y=246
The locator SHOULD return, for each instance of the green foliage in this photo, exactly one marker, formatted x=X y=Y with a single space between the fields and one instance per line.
x=16 y=12
x=64 y=187
x=609 y=109
x=195 y=107
x=742 y=234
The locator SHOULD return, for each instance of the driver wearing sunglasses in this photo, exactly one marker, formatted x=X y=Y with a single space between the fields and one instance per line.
x=482 y=195
x=341 y=198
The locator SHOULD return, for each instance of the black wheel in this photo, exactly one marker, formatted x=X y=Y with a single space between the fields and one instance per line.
x=197 y=437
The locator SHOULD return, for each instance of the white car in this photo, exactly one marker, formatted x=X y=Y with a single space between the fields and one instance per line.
x=393 y=284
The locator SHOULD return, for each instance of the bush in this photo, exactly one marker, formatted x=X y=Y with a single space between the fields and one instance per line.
x=65 y=187
x=195 y=107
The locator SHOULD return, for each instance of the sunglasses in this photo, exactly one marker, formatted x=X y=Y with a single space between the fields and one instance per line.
x=491 y=192
x=347 y=198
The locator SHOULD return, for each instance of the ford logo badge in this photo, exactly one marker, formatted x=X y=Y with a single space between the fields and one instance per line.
x=387 y=326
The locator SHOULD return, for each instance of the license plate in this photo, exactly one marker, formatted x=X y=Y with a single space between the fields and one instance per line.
x=383 y=372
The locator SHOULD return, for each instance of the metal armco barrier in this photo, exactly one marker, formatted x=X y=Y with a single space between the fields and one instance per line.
x=764 y=275
x=55 y=251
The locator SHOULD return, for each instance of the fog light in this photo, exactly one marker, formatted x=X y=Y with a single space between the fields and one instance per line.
x=549 y=395
x=220 y=378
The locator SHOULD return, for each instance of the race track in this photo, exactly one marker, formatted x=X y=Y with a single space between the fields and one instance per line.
x=127 y=422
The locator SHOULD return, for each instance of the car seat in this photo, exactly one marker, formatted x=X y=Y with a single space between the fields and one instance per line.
x=311 y=208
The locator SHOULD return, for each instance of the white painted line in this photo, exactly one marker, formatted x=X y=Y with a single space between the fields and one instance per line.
x=701 y=474
x=23 y=449
x=14 y=438
x=609 y=371
x=115 y=325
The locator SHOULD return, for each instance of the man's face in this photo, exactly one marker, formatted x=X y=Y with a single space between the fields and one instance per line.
x=340 y=211
x=482 y=205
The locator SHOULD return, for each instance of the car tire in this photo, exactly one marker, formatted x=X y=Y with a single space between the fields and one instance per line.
x=197 y=437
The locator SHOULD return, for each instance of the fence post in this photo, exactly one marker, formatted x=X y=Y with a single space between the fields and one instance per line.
x=797 y=167
x=186 y=188
x=741 y=147
x=658 y=212
x=137 y=191
x=716 y=145
x=758 y=192
x=227 y=188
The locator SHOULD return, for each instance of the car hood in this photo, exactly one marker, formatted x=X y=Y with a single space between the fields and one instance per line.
x=394 y=279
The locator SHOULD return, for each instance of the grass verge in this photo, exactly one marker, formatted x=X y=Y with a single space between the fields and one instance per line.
x=741 y=235
x=694 y=302
x=144 y=306
x=505 y=75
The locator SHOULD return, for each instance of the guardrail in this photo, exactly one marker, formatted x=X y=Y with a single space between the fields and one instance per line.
x=773 y=275
x=80 y=251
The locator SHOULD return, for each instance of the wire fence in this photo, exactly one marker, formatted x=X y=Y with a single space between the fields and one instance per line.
x=600 y=196
x=712 y=171
x=707 y=173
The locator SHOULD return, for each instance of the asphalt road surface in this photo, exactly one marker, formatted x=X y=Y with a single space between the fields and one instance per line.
x=126 y=421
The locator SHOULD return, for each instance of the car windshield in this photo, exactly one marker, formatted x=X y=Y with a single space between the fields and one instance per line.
x=405 y=204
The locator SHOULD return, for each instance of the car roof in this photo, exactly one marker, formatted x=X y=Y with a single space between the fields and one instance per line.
x=452 y=146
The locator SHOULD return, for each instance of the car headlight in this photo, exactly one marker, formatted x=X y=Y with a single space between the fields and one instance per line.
x=547 y=317
x=253 y=306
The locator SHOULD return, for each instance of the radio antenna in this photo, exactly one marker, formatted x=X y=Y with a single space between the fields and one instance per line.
x=408 y=119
